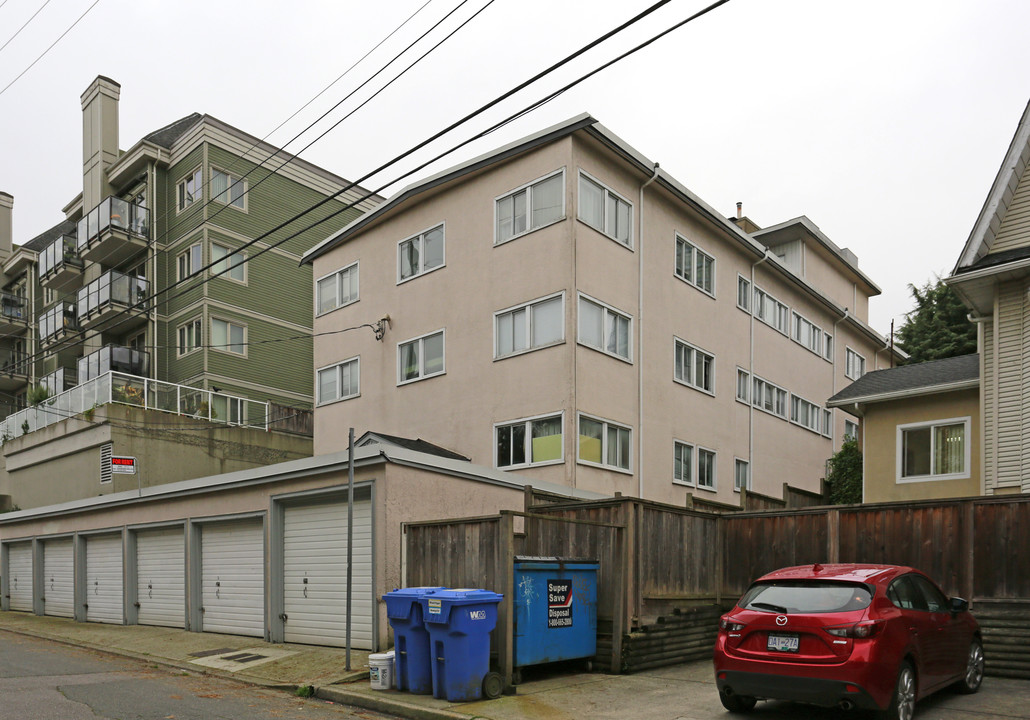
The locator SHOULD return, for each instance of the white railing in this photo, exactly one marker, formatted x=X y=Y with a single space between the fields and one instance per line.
x=116 y=387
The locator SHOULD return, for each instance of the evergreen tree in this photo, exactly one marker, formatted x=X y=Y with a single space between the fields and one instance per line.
x=938 y=327
x=844 y=484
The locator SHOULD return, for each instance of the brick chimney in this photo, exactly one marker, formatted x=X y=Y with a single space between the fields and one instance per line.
x=99 y=139
x=6 y=225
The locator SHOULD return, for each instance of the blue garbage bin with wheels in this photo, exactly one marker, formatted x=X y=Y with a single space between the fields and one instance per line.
x=459 y=623
x=412 y=664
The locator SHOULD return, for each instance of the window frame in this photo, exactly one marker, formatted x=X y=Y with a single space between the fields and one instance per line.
x=529 y=206
x=319 y=401
x=850 y=423
x=197 y=176
x=799 y=321
x=714 y=487
x=776 y=388
x=746 y=398
x=229 y=253
x=604 y=205
x=745 y=284
x=187 y=254
x=606 y=309
x=197 y=325
x=605 y=424
x=230 y=179
x=694 y=351
x=815 y=410
x=527 y=422
x=695 y=250
x=422 y=357
x=420 y=237
x=779 y=306
x=737 y=463
x=529 y=325
x=964 y=474
x=850 y=352
x=228 y=336
x=690 y=481
x=336 y=285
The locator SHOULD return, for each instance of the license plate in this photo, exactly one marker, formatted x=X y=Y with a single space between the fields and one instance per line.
x=783 y=643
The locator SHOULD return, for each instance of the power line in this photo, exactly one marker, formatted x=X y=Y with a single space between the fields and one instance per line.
x=23 y=26
x=6 y=87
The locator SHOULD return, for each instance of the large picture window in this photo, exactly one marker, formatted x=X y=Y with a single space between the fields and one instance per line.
x=934 y=451
x=228 y=337
x=529 y=442
x=228 y=264
x=529 y=208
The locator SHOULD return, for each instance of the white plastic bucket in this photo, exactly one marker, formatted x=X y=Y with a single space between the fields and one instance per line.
x=380 y=670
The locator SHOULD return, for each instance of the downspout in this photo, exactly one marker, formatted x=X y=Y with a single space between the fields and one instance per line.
x=152 y=252
x=640 y=335
x=751 y=370
x=833 y=374
x=979 y=320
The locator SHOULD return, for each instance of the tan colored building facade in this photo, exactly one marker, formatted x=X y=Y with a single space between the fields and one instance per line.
x=565 y=309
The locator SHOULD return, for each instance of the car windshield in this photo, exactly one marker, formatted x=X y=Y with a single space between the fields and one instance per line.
x=806 y=597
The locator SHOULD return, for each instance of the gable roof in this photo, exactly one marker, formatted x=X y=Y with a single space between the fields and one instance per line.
x=418 y=445
x=45 y=238
x=166 y=136
x=934 y=376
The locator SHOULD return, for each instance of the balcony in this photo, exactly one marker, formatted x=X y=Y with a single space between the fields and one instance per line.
x=58 y=381
x=57 y=323
x=14 y=313
x=113 y=357
x=125 y=389
x=113 y=231
x=60 y=267
x=110 y=295
x=14 y=371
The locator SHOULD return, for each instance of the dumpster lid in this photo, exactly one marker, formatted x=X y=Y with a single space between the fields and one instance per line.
x=542 y=558
x=467 y=595
x=413 y=591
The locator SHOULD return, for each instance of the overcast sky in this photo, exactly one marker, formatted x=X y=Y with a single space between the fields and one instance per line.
x=884 y=121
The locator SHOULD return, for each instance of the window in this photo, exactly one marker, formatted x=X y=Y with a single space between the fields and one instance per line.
x=603 y=210
x=604 y=443
x=741 y=475
x=224 y=258
x=189 y=337
x=228 y=336
x=229 y=409
x=808 y=334
x=228 y=189
x=694 y=266
x=682 y=463
x=420 y=358
x=419 y=254
x=604 y=328
x=850 y=430
x=934 y=451
x=809 y=415
x=191 y=261
x=336 y=290
x=190 y=189
x=339 y=382
x=743 y=385
x=743 y=294
x=828 y=347
x=769 y=397
x=771 y=311
x=854 y=364
x=706 y=468
x=694 y=367
x=529 y=442
x=528 y=327
x=530 y=207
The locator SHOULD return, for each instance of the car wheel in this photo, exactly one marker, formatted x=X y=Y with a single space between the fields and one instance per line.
x=903 y=704
x=737 y=703
x=970 y=683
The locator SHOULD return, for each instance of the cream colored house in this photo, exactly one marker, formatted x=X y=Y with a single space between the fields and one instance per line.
x=564 y=308
x=992 y=276
x=921 y=434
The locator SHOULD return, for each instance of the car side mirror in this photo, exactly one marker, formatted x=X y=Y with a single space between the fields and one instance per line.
x=958 y=605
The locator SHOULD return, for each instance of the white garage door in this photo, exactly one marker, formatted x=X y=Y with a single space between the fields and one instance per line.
x=19 y=561
x=59 y=578
x=160 y=573
x=233 y=578
x=104 y=598
x=315 y=574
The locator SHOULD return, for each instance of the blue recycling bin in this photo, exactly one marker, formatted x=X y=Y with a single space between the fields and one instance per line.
x=459 y=624
x=412 y=664
x=555 y=613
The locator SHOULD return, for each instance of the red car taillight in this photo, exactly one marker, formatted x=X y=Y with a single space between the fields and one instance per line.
x=858 y=630
x=728 y=623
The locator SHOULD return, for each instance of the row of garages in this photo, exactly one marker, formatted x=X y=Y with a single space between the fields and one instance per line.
x=279 y=574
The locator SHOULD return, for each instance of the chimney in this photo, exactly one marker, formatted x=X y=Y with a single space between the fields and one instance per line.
x=740 y=211
x=99 y=139
x=6 y=225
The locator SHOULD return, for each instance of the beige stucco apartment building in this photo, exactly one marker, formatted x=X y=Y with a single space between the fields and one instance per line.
x=564 y=308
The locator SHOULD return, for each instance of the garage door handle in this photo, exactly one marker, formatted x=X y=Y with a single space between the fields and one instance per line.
x=283 y=616
x=136 y=604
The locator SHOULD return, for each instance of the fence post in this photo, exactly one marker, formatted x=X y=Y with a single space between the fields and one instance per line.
x=506 y=608
x=968 y=562
x=833 y=536
x=619 y=611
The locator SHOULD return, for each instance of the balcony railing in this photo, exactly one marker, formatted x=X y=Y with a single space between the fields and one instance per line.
x=112 y=213
x=115 y=387
x=113 y=357
x=56 y=321
x=59 y=254
x=111 y=288
x=58 y=381
x=14 y=362
x=13 y=307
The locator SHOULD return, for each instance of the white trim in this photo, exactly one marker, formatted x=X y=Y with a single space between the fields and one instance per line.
x=604 y=444
x=749 y=294
x=199 y=320
x=336 y=274
x=786 y=409
x=819 y=409
x=965 y=474
x=756 y=312
x=526 y=421
x=421 y=255
x=747 y=480
x=695 y=248
x=228 y=203
x=340 y=398
x=189 y=252
x=529 y=206
x=847 y=373
x=609 y=308
x=422 y=357
x=692 y=480
x=192 y=174
x=914 y=392
x=529 y=347
x=795 y=319
x=604 y=209
x=676 y=342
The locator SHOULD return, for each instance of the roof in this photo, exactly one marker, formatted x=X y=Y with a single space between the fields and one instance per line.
x=851 y=572
x=418 y=445
x=957 y=373
x=166 y=136
x=45 y=238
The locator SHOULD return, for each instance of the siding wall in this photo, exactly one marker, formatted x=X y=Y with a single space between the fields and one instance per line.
x=1011 y=362
x=1015 y=226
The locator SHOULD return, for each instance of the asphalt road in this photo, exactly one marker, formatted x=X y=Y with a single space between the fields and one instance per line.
x=44 y=680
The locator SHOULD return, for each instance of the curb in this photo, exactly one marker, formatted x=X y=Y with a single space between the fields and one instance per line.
x=388 y=704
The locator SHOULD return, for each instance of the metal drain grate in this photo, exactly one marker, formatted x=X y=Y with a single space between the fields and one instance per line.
x=209 y=653
x=245 y=657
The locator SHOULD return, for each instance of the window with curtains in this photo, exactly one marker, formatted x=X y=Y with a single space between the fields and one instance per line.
x=532 y=441
x=854 y=364
x=934 y=451
x=530 y=207
x=604 y=328
x=604 y=443
x=695 y=266
x=604 y=210
x=420 y=254
x=420 y=358
x=536 y=324
x=694 y=367
x=228 y=189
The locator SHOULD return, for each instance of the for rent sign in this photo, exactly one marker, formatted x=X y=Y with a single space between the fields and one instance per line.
x=559 y=603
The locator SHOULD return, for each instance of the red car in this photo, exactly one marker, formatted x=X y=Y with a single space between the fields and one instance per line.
x=878 y=637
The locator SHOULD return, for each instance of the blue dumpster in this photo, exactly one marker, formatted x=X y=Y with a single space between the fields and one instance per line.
x=555 y=613
x=413 y=668
x=459 y=624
